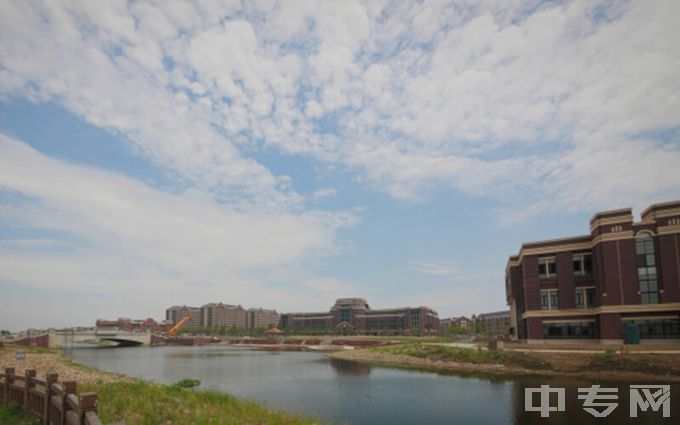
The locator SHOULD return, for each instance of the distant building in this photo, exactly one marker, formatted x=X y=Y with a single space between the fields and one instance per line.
x=129 y=325
x=461 y=322
x=261 y=318
x=176 y=313
x=497 y=323
x=622 y=276
x=353 y=315
x=223 y=315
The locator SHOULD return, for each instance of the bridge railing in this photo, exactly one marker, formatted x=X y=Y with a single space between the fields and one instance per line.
x=53 y=402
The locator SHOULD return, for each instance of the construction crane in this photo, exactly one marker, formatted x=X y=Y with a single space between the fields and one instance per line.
x=173 y=331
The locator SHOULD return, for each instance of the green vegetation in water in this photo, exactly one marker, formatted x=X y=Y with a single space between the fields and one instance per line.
x=145 y=403
x=186 y=383
x=467 y=355
x=11 y=414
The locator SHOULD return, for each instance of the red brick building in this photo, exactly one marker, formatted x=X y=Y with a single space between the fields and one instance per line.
x=354 y=316
x=591 y=287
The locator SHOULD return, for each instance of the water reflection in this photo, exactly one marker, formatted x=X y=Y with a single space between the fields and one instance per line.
x=348 y=367
x=341 y=391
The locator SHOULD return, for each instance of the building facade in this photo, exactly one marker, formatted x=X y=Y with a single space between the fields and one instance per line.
x=461 y=322
x=223 y=316
x=129 y=325
x=261 y=318
x=497 y=323
x=353 y=315
x=176 y=313
x=595 y=287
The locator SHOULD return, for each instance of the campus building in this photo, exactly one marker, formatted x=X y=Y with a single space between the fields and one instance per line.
x=261 y=318
x=622 y=275
x=176 y=313
x=129 y=325
x=353 y=315
x=461 y=322
x=223 y=316
x=497 y=323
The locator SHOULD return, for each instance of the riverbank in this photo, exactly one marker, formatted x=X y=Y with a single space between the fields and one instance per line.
x=134 y=401
x=610 y=365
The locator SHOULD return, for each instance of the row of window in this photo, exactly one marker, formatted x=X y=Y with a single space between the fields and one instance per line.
x=656 y=328
x=584 y=298
x=582 y=265
x=569 y=330
x=649 y=329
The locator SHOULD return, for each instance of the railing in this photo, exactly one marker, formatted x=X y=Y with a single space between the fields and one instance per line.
x=53 y=402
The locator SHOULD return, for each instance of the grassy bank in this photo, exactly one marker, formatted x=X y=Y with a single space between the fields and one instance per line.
x=146 y=403
x=438 y=353
x=13 y=415
x=610 y=365
x=137 y=402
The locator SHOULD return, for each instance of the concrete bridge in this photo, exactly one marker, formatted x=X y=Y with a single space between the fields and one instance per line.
x=66 y=338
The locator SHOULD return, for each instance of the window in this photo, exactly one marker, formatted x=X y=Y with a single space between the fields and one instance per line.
x=547 y=267
x=549 y=299
x=346 y=315
x=415 y=319
x=656 y=328
x=646 y=268
x=585 y=297
x=583 y=264
x=569 y=330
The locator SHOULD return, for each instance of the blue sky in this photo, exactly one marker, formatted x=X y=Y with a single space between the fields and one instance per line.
x=285 y=154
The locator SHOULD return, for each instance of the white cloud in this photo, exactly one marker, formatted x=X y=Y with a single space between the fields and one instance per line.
x=130 y=236
x=440 y=268
x=539 y=106
x=326 y=192
x=492 y=98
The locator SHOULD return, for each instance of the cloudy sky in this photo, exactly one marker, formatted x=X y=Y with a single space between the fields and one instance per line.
x=284 y=154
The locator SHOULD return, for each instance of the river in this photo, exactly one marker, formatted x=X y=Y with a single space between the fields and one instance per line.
x=338 y=391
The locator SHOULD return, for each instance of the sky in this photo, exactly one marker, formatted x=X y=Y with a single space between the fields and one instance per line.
x=285 y=154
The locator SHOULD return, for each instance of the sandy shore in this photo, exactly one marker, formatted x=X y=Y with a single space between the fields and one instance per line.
x=46 y=361
x=562 y=367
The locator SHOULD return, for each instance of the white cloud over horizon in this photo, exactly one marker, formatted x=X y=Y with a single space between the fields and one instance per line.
x=536 y=107
x=124 y=236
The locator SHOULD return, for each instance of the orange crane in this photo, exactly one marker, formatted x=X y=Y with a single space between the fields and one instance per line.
x=173 y=331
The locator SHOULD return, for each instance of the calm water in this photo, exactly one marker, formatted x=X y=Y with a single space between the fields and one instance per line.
x=339 y=391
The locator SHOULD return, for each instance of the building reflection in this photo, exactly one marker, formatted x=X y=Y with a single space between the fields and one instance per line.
x=348 y=367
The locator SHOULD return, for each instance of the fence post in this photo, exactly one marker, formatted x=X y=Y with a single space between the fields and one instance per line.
x=88 y=403
x=50 y=379
x=28 y=384
x=9 y=380
x=69 y=388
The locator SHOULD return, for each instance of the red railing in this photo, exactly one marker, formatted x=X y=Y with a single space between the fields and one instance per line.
x=53 y=402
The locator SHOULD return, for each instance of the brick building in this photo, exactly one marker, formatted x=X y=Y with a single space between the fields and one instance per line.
x=223 y=315
x=176 y=313
x=461 y=322
x=261 y=318
x=497 y=323
x=129 y=325
x=353 y=315
x=590 y=287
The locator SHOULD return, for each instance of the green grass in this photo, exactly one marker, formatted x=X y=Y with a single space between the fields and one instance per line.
x=466 y=355
x=12 y=414
x=142 y=403
x=649 y=363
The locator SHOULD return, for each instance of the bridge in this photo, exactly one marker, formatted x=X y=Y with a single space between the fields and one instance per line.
x=66 y=338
